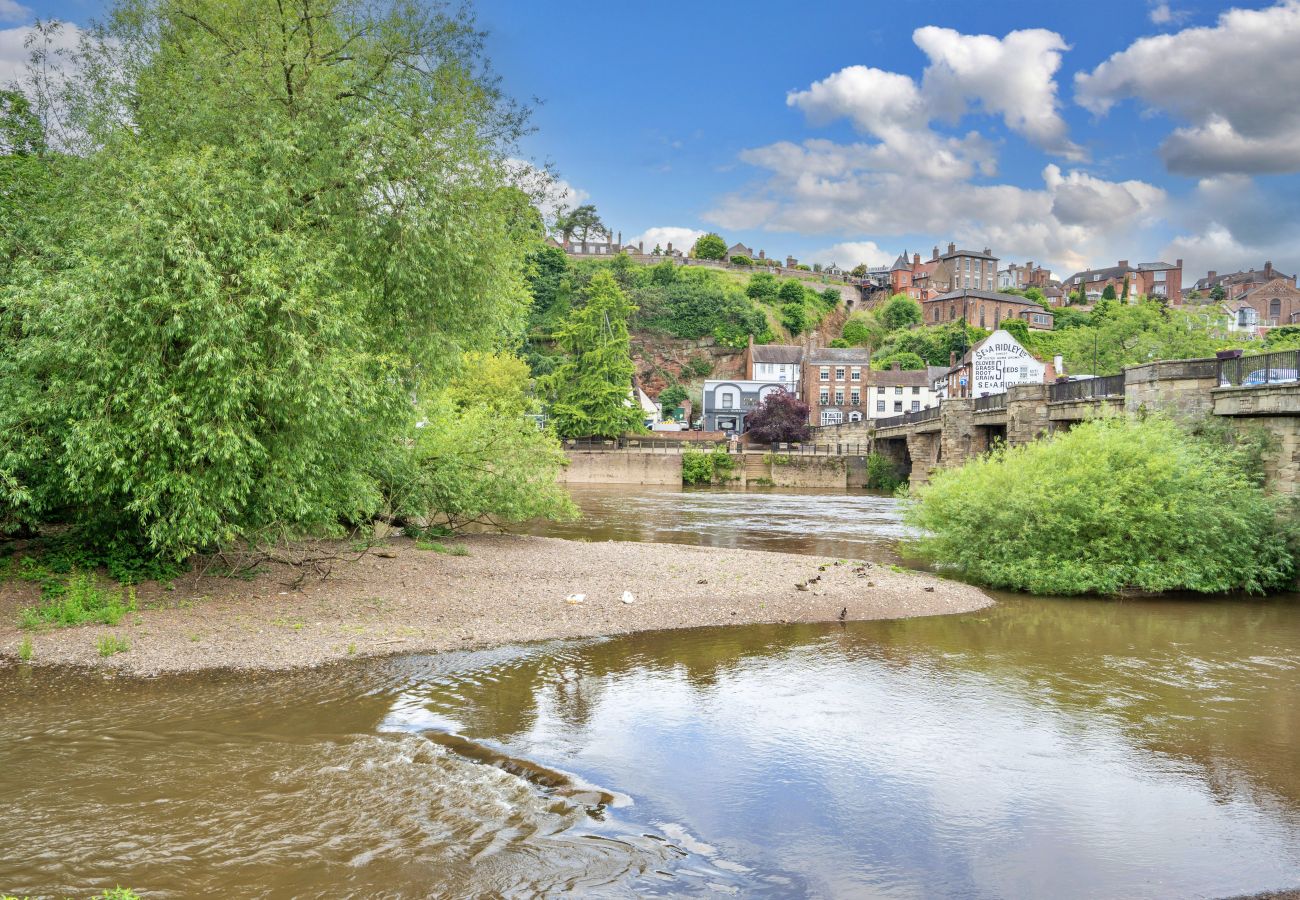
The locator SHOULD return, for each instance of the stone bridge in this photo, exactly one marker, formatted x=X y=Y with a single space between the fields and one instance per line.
x=1248 y=393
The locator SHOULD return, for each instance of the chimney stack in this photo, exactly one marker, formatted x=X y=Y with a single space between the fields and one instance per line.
x=1268 y=269
x=1178 y=263
x=936 y=252
x=1213 y=274
x=952 y=248
x=952 y=359
x=1123 y=263
x=916 y=259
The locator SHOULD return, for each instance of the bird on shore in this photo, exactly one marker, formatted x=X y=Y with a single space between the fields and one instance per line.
x=575 y=598
x=628 y=598
x=844 y=612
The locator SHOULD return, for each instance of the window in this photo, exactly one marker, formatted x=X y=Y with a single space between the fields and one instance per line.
x=898 y=406
x=1097 y=277
x=823 y=398
x=916 y=390
x=839 y=373
x=839 y=398
x=832 y=417
x=1160 y=276
x=826 y=373
x=880 y=406
x=855 y=398
x=880 y=390
x=916 y=406
x=728 y=400
x=1275 y=308
x=855 y=417
x=898 y=389
x=855 y=375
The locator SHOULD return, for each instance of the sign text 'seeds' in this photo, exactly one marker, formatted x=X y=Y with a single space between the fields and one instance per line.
x=999 y=363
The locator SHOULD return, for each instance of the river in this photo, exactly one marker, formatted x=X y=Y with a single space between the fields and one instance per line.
x=1060 y=748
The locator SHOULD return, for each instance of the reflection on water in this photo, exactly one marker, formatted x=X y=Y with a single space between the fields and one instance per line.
x=1035 y=749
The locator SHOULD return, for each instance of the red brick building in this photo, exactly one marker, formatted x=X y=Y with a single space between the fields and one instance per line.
x=985 y=309
x=1275 y=303
x=1155 y=279
x=1235 y=284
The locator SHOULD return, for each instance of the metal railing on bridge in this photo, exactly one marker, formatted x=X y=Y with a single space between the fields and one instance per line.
x=1101 y=388
x=817 y=448
x=991 y=402
x=642 y=445
x=1264 y=368
x=910 y=418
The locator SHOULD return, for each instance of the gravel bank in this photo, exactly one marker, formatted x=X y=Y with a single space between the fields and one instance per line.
x=509 y=589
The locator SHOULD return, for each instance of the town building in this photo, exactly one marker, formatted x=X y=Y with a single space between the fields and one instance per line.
x=1267 y=306
x=834 y=384
x=1235 y=284
x=739 y=249
x=993 y=365
x=894 y=391
x=781 y=363
x=941 y=274
x=1154 y=279
x=612 y=245
x=1021 y=278
x=985 y=309
x=726 y=402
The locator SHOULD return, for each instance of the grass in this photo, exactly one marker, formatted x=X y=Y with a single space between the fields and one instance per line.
x=25 y=649
x=453 y=550
x=78 y=601
x=109 y=644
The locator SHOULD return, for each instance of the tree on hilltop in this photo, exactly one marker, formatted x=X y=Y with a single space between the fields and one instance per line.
x=709 y=246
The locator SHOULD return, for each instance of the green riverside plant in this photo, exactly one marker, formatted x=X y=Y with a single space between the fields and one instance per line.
x=1114 y=504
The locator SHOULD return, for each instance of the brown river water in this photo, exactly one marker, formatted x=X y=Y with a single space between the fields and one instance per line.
x=1039 y=748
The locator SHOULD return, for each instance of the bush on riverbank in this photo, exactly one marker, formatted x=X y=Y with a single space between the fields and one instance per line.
x=1113 y=504
x=707 y=466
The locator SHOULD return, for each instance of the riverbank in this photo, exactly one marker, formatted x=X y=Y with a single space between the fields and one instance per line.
x=507 y=589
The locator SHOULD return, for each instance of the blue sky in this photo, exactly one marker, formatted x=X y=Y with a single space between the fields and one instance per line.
x=1070 y=134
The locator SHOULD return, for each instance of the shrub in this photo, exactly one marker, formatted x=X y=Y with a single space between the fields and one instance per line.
x=110 y=644
x=701 y=466
x=762 y=286
x=882 y=473
x=700 y=366
x=900 y=311
x=709 y=246
x=794 y=316
x=781 y=416
x=741 y=261
x=792 y=292
x=82 y=601
x=1113 y=504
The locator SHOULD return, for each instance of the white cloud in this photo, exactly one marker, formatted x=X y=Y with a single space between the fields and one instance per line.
x=1229 y=223
x=1234 y=83
x=1161 y=14
x=680 y=237
x=14 y=52
x=848 y=254
x=1013 y=77
x=12 y=11
x=1072 y=219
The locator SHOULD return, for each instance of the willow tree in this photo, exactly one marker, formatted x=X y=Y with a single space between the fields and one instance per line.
x=591 y=391
x=294 y=220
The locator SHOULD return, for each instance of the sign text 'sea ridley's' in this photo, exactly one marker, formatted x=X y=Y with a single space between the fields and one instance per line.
x=1000 y=362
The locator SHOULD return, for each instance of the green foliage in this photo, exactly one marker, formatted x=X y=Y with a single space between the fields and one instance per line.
x=794 y=317
x=741 y=261
x=1108 y=292
x=863 y=329
x=692 y=303
x=672 y=397
x=1218 y=294
x=1071 y=318
x=473 y=455
x=792 y=291
x=762 y=286
x=110 y=644
x=589 y=391
x=709 y=246
x=1113 y=504
x=581 y=222
x=831 y=297
x=907 y=361
x=700 y=366
x=25 y=649
x=882 y=474
x=1036 y=295
x=899 y=311
x=935 y=344
x=1018 y=329
x=840 y=344
x=700 y=466
x=254 y=275
x=1286 y=337
x=77 y=601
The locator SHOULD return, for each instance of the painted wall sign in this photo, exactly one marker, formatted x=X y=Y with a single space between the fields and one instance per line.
x=1000 y=362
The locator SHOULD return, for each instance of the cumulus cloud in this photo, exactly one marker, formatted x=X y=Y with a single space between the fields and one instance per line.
x=848 y=254
x=14 y=49
x=1072 y=218
x=1244 y=120
x=680 y=237
x=1230 y=223
x=1013 y=77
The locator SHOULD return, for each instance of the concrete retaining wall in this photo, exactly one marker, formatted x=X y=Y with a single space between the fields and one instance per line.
x=621 y=467
x=809 y=471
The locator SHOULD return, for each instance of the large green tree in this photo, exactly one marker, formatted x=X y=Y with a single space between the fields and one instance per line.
x=291 y=220
x=899 y=311
x=590 y=392
x=709 y=246
x=581 y=221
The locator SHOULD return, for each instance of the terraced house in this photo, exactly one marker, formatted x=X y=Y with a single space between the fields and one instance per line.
x=834 y=384
x=985 y=309
x=1153 y=279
